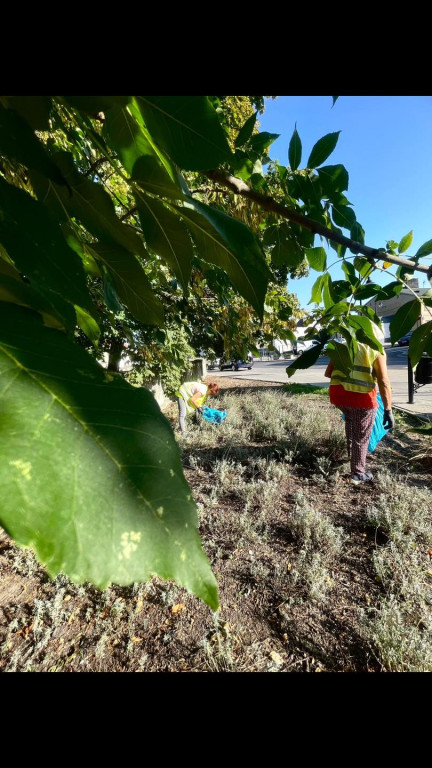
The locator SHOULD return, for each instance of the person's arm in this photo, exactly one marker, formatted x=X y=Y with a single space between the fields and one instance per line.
x=384 y=386
x=329 y=370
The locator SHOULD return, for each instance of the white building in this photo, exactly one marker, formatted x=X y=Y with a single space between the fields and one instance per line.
x=387 y=309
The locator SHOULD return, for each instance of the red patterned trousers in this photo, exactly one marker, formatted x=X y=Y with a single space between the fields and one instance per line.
x=358 y=427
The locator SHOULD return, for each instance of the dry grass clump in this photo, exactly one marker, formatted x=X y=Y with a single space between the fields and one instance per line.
x=400 y=629
x=320 y=543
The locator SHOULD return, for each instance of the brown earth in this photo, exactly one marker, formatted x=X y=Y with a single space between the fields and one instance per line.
x=265 y=623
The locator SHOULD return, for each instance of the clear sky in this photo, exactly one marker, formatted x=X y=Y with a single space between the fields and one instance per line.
x=386 y=146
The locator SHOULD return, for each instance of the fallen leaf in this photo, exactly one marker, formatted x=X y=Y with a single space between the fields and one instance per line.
x=276 y=658
x=177 y=608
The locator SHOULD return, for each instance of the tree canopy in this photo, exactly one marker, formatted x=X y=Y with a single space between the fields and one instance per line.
x=160 y=222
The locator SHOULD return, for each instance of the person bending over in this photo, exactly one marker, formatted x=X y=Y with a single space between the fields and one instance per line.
x=191 y=397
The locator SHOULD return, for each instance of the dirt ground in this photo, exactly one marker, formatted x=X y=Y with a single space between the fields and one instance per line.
x=265 y=622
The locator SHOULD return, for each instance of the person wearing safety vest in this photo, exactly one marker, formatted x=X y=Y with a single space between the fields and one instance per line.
x=191 y=397
x=355 y=395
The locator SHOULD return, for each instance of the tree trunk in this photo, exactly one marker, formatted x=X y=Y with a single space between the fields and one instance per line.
x=114 y=355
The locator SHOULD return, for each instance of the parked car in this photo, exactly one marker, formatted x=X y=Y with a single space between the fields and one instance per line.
x=235 y=365
x=405 y=340
x=213 y=364
x=304 y=346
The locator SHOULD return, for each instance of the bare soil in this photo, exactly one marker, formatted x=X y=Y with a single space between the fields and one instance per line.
x=265 y=622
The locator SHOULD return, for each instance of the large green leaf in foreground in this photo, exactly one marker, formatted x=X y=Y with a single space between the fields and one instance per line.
x=91 y=474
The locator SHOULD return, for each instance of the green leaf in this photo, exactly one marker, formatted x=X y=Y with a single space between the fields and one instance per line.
x=261 y=141
x=89 y=264
x=138 y=156
x=130 y=283
x=18 y=141
x=334 y=180
x=392 y=289
x=368 y=290
x=257 y=180
x=367 y=312
x=405 y=242
x=322 y=149
x=287 y=251
x=308 y=190
x=364 y=331
x=271 y=235
x=111 y=298
x=165 y=233
x=187 y=128
x=317 y=290
x=305 y=360
x=403 y=273
x=98 y=491
x=88 y=325
x=281 y=171
x=246 y=130
x=349 y=270
x=34 y=109
x=295 y=150
x=35 y=243
x=357 y=234
x=317 y=258
x=340 y=289
x=229 y=244
x=349 y=335
x=326 y=294
x=90 y=203
x=343 y=216
x=242 y=165
x=339 y=308
x=339 y=354
x=420 y=341
x=284 y=315
x=363 y=266
x=391 y=246
x=54 y=310
x=404 y=319
x=424 y=250
x=15 y=291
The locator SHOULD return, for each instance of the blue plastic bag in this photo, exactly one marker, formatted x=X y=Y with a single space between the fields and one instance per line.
x=213 y=415
x=378 y=431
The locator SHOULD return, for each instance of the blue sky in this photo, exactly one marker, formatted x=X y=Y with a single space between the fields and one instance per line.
x=386 y=146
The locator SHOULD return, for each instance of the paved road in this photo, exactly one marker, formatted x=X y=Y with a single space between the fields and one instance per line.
x=275 y=370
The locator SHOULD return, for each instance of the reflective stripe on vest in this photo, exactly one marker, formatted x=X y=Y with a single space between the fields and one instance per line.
x=361 y=378
x=185 y=391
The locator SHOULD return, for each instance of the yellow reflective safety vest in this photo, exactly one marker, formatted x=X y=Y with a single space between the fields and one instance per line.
x=188 y=389
x=361 y=377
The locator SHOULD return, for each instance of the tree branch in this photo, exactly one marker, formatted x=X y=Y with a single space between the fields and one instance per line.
x=269 y=204
x=129 y=213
